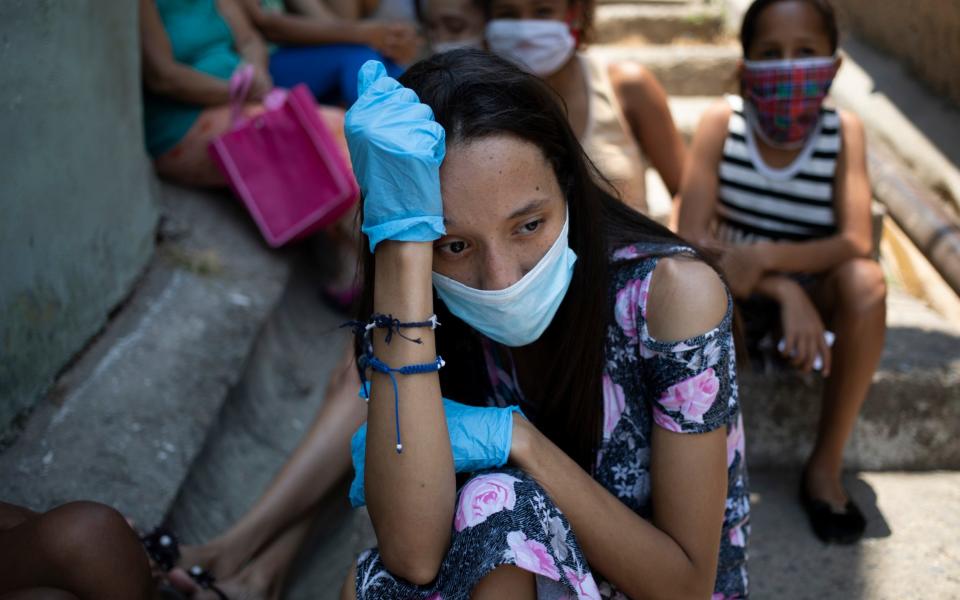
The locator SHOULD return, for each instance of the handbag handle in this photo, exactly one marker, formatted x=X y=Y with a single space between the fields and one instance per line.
x=240 y=84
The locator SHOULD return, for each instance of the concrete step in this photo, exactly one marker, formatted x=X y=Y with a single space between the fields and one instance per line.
x=649 y=23
x=127 y=419
x=909 y=420
x=264 y=418
x=683 y=70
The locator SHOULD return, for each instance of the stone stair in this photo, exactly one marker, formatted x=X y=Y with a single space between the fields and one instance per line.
x=127 y=419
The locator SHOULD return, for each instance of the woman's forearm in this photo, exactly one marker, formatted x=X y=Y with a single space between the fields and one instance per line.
x=283 y=28
x=640 y=559
x=815 y=256
x=410 y=495
x=186 y=84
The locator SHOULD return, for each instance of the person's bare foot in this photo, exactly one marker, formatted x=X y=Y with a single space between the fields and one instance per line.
x=223 y=560
x=821 y=484
x=247 y=585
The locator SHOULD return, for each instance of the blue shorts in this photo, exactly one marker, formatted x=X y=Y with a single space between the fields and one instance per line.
x=330 y=71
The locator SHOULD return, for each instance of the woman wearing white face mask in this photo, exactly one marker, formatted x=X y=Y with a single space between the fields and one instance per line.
x=611 y=334
x=451 y=24
x=619 y=111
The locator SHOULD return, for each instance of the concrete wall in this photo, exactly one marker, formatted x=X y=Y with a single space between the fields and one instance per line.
x=924 y=34
x=77 y=214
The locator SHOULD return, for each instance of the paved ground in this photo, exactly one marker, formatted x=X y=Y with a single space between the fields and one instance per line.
x=911 y=549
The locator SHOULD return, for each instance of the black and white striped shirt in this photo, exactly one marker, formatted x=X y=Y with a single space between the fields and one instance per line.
x=757 y=202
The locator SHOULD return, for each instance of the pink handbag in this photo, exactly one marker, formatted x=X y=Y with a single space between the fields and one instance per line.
x=284 y=163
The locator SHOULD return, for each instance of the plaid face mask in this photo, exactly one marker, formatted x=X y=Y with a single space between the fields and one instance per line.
x=784 y=97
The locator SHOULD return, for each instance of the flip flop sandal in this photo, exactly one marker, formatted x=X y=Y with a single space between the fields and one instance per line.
x=164 y=549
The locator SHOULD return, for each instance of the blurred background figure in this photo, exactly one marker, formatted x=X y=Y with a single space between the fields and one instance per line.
x=191 y=49
x=451 y=24
x=778 y=185
x=619 y=111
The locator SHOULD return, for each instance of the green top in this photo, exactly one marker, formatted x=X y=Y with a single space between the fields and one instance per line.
x=201 y=39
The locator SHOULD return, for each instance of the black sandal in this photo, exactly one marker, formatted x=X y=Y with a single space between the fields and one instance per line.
x=830 y=526
x=164 y=549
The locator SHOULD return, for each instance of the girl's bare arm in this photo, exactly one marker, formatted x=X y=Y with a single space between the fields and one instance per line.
x=163 y=75
x=645 y=105
x=675 y=556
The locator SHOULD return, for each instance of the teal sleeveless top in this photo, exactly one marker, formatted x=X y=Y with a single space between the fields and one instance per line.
x=201 y=39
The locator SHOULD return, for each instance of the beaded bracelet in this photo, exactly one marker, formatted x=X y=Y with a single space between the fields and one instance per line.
x=392 y=325
x=369 y=360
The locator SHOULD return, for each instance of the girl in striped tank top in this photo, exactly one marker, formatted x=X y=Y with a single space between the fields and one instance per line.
x=777 y=185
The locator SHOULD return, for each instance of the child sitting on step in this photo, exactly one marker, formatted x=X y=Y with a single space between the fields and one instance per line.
x=777 y=184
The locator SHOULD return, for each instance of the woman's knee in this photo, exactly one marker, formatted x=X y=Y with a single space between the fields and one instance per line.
x=860 y=286
x=81 y=531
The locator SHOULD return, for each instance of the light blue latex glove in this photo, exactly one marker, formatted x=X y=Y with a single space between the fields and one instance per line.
x=480 y=438
x=396 y=148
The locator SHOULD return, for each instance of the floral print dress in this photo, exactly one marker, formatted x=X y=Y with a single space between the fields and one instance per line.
x=503 y=517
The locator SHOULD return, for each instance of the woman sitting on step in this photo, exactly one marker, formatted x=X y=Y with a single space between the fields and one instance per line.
x=777 y=184
x=624 y=473
x=190 y=50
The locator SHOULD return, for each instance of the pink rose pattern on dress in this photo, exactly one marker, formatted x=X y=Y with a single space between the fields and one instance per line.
x=483 y=496
x=629 y=299
x=692 y=397
x=613 y=405
x=585 y=585
x=736 y=536
x=532 y=556
x=665 y=421
x=688 y=387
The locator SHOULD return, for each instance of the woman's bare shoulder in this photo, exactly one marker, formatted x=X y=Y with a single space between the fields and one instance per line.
x=687 y=298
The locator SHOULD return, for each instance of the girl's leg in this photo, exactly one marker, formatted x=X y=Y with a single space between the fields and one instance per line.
x=12 y=515
x=506 y=581
x=84 y=549
x=853 y=296
x=265 y=577
x=189 y=162
x=348 y=591
x=321 y=459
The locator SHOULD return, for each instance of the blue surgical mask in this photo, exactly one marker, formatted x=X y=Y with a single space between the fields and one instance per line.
x=517 y=315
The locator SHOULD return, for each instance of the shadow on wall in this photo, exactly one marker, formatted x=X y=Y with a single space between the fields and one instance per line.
x=941 y=126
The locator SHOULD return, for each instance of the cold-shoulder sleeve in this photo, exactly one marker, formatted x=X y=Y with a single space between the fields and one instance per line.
x=690 y=384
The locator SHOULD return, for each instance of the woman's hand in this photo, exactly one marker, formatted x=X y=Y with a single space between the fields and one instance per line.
x=396 y=148
x=397 y=41
x=803 y=329
x=261 y=85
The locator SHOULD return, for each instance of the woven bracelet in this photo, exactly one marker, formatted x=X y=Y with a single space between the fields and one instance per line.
x=369 y=360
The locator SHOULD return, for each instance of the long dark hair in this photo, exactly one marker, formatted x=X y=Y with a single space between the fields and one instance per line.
x=475 y=95
x=748 y=29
